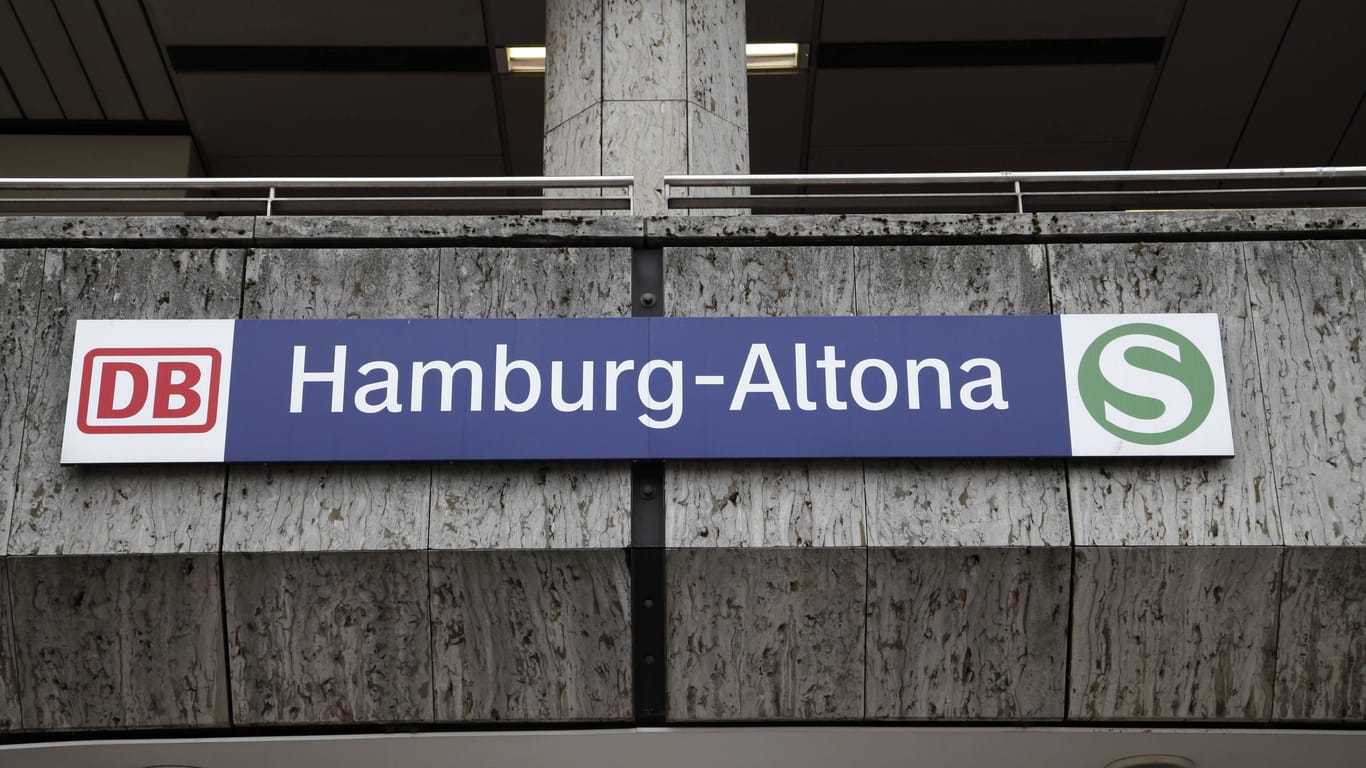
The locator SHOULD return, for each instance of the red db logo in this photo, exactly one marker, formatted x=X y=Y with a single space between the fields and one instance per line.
x=149 y=390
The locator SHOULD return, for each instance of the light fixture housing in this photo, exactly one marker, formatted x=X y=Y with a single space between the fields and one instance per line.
x=1152 y=761
x=760 y=58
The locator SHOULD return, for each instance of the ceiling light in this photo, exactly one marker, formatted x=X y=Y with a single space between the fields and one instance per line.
x=1152 y=761
x=774 y=57
x=759 y=57
x=522 y=58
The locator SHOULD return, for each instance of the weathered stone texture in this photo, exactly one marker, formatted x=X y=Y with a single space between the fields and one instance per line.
x=535 y=282
x=1174 y=633
x=967 y=634
x=337 y=637
x=771 y=634
x=323 y=507
x=960 y=503
x=642 y=50
x=529 y=636
x=1310 y=299
x=764 y=504
x=1175 y=501
x=531 y=506
x=114 y=509
x=646 y=140
x=1321 y=658
x=716 y=61
x=10 y=717
x=21 y=276
x=119 y=642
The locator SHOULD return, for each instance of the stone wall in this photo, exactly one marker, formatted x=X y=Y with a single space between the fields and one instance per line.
x=1116 y=590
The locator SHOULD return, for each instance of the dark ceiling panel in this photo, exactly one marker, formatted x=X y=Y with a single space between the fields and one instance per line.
x=1312 y=90
x=9 y=108
x=1352 y=151
x=979 y=105
x=352 y=165
x=524 y=106
x=1210 y=82
x=780 y=21
x=901 y=21
x=318 y=22
x=374 y=115
x=142 y=57
x=63 y=69
x=777 y=104
x=22 y=71
x=973 y=157
x=517 y=22
x=99 y=59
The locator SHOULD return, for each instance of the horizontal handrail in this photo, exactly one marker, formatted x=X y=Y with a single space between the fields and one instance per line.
x=1072 y=189
x=380 y=194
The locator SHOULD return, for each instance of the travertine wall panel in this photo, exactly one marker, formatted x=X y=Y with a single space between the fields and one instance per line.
x=1174 y=633
x=10 y=717
x=967 y=633
x=122 y=641
x=1176 y=501
x=960 y=503
x=527 y=636
x=333 y=637
x=115 y=509
x=1321 y=658
x=317 y=507
x=766 y=634
x=1311 y=303
x=21 y=275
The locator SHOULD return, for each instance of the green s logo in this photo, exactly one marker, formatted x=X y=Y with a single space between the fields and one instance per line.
x=1146 y=383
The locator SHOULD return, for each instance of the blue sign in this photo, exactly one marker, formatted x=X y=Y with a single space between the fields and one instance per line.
x=644 y=388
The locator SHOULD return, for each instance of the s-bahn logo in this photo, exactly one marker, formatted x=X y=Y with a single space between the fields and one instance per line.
x=1150 y=385
x=144 y=389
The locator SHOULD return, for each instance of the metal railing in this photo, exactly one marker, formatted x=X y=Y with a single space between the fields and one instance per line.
x=321 y=195
x=1020 y=192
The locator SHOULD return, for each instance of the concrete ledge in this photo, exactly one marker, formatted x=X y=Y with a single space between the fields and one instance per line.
x=503 y=231
x=126 y=231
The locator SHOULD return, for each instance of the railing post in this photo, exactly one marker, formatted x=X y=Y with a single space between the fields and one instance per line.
x=270 y=201
x=1019 y=198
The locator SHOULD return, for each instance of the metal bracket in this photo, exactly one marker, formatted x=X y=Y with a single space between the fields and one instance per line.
x=649 y=625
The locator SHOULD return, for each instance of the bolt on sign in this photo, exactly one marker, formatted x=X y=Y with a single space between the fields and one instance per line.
x=646 y=388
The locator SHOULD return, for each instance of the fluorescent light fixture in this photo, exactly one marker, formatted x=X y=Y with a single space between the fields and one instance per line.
x=773 y=57
x=759 y=57
x=524 y=58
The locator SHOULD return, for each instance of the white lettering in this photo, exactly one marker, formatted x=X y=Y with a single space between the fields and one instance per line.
x=389 y=386
x=856 y=384
x=803 y=402
x=758 y=355
x=830 y=365
x=614 y=371
x=674 y=402
x=913 y=369
x=585 y=401
x=996 y=397
x=336 y=377
x=1176 y=400
x=447 y=371
x=501 y=369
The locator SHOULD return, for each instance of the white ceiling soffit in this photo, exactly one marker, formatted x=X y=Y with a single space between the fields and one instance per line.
x=796 y=747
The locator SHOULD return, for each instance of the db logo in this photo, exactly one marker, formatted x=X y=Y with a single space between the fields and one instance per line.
x=149 y=390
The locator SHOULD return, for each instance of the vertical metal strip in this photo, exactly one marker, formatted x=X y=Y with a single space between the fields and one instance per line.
x=649 y=627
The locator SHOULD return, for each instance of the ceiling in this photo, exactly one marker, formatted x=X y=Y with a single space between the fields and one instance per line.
x=906 y=86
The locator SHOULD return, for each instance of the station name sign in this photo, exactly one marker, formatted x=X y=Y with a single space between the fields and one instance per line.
x=646 y=388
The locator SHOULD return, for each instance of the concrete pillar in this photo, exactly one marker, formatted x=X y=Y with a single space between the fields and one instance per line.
x=646 y=89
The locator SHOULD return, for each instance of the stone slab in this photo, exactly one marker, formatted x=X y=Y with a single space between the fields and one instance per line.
x=967 y=633
x=979 y=503
x=21 y=278
x=1175 y=501
x=494 y=505
x=645 y=140
x=574 y=72
x=119 y=642
x=1310 y=298
x=413 y=231
x=574 y=148
x=531 y=636
x=10 y=716
x=328 y=507
x=716 y=77
x=535 y=282
x=1321 y=658
x=127 y=231
x=764 y=504
x=1174 y=633
x=107 y=509
x=766 y=634
x=643 y=49
x=337 y=637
